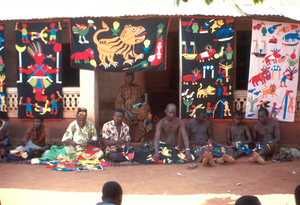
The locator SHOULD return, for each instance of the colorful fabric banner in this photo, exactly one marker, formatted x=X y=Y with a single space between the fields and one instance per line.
x=38 y=46
x=273 y=73
x=3 y=106
x=119 y=45
x=207 y=67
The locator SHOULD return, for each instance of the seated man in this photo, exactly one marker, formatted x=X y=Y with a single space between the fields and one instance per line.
x=5 y=145
x=265 y=135
x=167 y=130
x=80 y=134
x=199 y=132
x=115 y=134
x=111 y=194
x=36 y=137
x=128 y=95
x=238 y=134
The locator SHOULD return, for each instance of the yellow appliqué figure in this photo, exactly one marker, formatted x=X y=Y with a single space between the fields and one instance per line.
x=226 y=110
x=205 y=91
x=120 y=45
x=181 y=156
x=165 y=151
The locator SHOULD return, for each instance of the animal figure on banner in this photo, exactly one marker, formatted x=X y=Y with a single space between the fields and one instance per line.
x=121 y=45
x=261 y=77
x=206 y=54
x=217 y=85
x=85 y=56
x=82 y=30
x=277 y=89
x=192 y=78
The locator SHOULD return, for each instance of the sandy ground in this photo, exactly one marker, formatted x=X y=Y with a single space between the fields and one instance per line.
x=273 y=183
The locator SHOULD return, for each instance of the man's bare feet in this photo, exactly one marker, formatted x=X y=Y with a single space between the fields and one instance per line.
x=208 y=159
x=220 y=160
x=257 y=158
x=205 y=159
x=228 y=158
x=211 y=161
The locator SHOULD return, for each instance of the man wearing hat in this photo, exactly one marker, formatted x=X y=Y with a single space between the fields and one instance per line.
x=80 y=134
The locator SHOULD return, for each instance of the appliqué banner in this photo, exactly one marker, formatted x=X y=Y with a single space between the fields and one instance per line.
x=207 y=67
x=119 y=45
x=38 y=46
x=273 y=73
x=3 y=106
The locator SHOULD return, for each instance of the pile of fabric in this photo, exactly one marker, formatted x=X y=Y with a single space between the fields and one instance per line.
x=58 y=159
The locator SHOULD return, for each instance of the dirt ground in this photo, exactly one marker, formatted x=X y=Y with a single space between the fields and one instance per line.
x=273 y=183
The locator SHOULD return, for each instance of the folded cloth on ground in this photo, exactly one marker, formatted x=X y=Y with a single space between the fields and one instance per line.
x=218 y=149
x=167 y=154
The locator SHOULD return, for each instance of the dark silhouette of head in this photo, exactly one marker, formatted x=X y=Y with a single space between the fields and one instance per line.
x=262 y=109
x=112 y=193
x=239 y=113
x=297 y=195
x=247 y=200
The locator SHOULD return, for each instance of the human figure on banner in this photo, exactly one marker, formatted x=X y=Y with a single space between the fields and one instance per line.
x=116 y=138
x=54 y=103
x=130 y=98
x=166 y=139
x=53 y=31
x=24 y=32
x=28 y=105
x=266 y=134
x=39 y=74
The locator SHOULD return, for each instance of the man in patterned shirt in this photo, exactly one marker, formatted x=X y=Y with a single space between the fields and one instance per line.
x=116 y=136
x=80 y=134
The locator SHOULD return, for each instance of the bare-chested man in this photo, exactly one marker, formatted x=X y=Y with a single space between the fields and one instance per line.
x=266 y=134
x=238 y=133
x=167 y=131
x=199 y=132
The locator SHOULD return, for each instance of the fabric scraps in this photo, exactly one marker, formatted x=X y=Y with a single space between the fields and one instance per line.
x=218 y=149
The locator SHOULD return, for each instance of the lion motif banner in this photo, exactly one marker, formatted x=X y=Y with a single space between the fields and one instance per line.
x=207 y=67
x=273 y=73
x=119 y=45
x=38 y=47
x=3 y=106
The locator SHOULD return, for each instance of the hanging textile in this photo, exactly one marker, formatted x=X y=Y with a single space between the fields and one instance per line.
x=273 y=73
x=207 y=67
x=3 y=106
x=38 y=46
x=119 y=45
